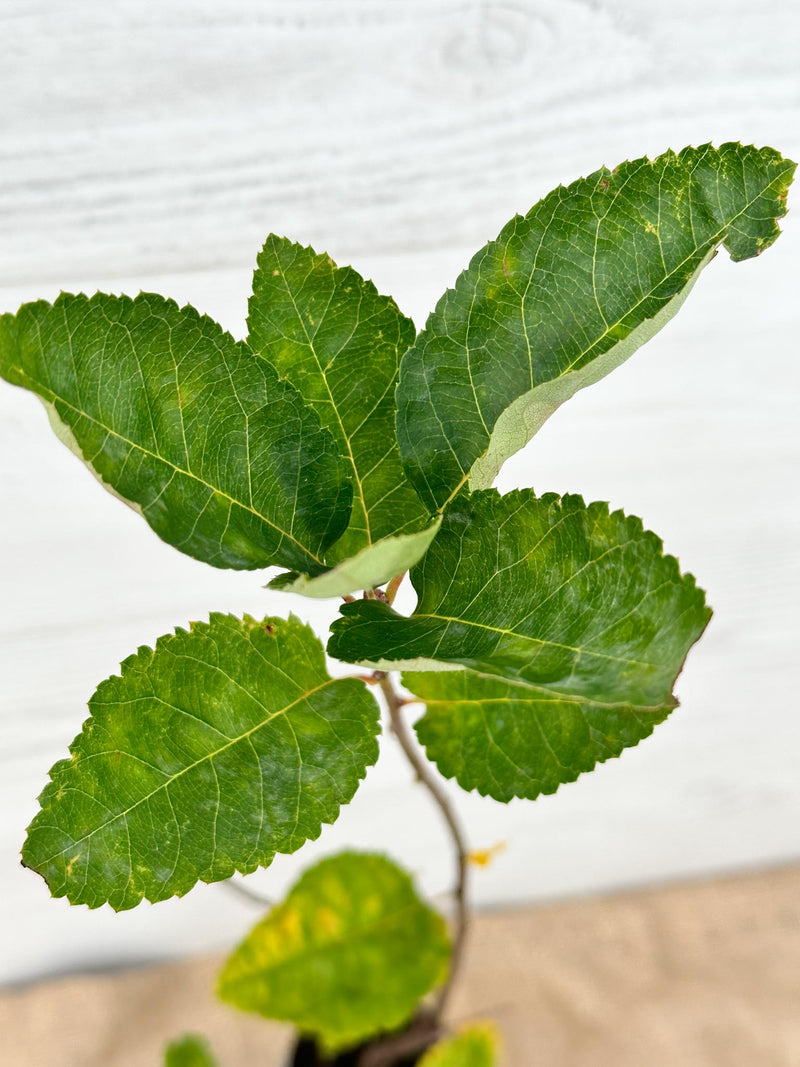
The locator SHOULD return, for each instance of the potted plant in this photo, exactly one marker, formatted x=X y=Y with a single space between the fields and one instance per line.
x=339 y=444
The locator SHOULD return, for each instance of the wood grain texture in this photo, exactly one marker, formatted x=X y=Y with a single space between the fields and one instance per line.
x=143 y=138
x=154 y=148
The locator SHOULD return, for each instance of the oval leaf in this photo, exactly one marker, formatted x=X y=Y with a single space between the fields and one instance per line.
x=567 y=293
x=573 y=620
x=349 y=953
x=223 y=460
x=339 y=342
x=206 y=756
x=473 y=1046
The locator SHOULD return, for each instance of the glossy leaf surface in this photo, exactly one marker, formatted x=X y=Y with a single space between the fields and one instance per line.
x=473 y=1046
x=567 y=293
x=224 y=745
x=339 y=342
x=223 y=460
x=574 y=625
x=348 y=954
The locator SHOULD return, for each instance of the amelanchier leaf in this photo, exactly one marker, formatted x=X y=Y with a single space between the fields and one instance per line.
x=348 y=954
x=189 y=1051
x=224 y=745
x=333 y=336
x=564 y=295
x=221 y=457
x=476 y=1045
x=571 y=620
x=370 y=567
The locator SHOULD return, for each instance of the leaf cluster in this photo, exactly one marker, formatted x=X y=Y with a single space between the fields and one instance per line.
x=339 y=444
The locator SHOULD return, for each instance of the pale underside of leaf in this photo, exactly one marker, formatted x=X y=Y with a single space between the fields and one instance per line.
x=206 y=756
x=339 y=342
x=566 y=294
x=367 y=569
x=222 y=459
x=526 y=415
x=347 y=955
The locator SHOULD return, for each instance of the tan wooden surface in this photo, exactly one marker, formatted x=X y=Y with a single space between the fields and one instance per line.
x=702 y=975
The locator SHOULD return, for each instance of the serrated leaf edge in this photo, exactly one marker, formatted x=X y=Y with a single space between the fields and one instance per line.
x=75 y=752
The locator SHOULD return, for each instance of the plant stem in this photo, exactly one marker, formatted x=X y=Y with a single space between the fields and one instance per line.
x=393 y=586
x=249 y=894
x=422 y=769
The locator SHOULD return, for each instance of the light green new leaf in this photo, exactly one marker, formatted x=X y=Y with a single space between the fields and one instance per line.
x=349 y=953
x=224 y=745
x=564 y=295
x=572 y=619
x=223 y=460
x=473 y=1046
x=189 y=1051
x=339 y=342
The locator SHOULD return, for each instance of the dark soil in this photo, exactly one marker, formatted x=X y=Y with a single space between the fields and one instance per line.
x=306 y=1054
x=418 y=1036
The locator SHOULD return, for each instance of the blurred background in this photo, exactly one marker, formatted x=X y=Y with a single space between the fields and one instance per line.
x=154 y=146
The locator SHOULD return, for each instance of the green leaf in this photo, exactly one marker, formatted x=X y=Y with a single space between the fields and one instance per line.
x=473 y=1046
x=509 y=740
x=370 y=567
x=189 y=1051
x=224 y=745
x=223 y=460
x=333 y=336
x=574 y=625
x=564 y=295
x=349 y=953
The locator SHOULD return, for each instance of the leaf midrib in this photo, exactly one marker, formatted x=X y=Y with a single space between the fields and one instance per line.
x=712 y=242
x=537 y=640
x=345 y=938
x=333 y=403
x=185 y=770
x=54 y=398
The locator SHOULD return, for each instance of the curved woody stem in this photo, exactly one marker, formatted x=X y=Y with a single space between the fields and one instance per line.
x=422 y=770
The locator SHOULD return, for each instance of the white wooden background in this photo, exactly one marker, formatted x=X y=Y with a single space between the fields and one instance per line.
x=153 y=146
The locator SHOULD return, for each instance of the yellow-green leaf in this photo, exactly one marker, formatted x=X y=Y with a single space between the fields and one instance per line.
x=207 y=755
x=347 y=955
x=189 y=1051
x=476 y=1045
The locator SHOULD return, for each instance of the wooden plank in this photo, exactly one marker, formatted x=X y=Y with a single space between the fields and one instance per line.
x=144 y=138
